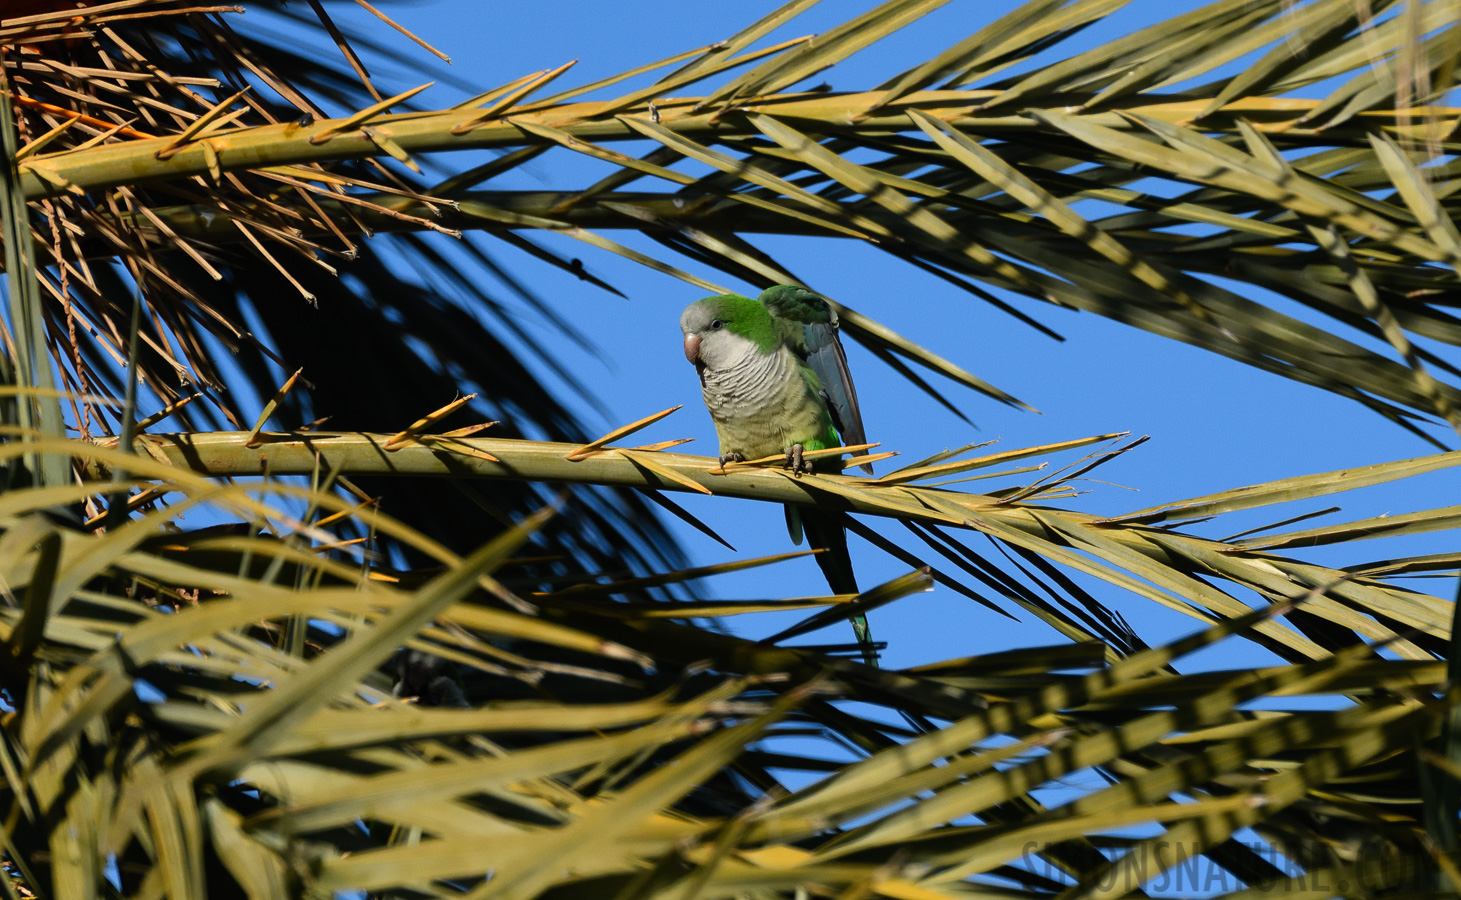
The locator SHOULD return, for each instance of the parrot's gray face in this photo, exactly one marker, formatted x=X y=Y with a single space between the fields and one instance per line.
x=709 y=343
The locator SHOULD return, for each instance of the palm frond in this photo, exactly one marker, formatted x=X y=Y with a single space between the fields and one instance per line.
x=166 y=723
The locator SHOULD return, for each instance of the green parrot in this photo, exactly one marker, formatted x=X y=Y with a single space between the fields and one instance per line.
x=774 y=377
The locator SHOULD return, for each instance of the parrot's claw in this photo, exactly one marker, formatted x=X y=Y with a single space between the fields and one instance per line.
x=794 y=461
x=730 y=458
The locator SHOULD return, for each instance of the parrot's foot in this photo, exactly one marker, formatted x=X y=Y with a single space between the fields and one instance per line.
x=794 y=461
x=730 y=458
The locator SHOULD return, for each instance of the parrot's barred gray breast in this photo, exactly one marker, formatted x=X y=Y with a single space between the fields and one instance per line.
x=759 y=403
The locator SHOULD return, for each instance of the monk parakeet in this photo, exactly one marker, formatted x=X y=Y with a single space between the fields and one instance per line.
x=774 y=377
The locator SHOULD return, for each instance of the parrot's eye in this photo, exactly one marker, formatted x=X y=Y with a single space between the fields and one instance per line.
x=717 y=325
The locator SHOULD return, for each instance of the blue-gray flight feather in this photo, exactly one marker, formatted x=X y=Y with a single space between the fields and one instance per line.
x=827 y=358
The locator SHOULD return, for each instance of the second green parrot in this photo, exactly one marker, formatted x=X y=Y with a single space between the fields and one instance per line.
x=774 y=377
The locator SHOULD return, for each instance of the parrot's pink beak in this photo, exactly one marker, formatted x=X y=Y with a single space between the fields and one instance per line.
x=692 y=347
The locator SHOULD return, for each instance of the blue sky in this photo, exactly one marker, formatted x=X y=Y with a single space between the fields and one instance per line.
x=1214 y=424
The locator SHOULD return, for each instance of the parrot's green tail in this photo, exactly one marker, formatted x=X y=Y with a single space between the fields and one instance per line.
x=824 y=532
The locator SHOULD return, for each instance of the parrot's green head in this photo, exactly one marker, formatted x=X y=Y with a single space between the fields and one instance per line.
x=720 y=332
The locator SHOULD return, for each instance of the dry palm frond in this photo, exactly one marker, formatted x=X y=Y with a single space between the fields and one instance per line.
x=107 y=84
x=107 y=77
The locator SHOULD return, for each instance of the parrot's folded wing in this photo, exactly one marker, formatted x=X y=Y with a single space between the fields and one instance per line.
x=827 y=358
x=823 y=352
